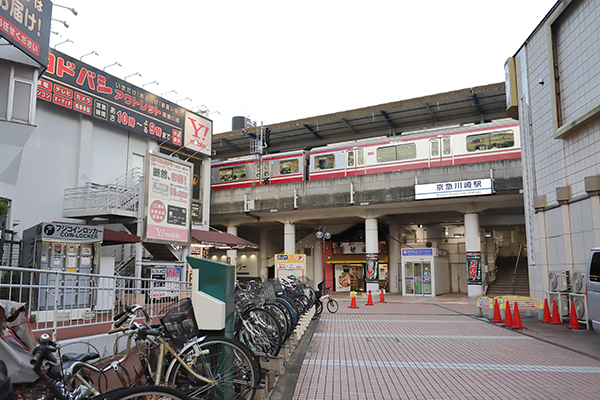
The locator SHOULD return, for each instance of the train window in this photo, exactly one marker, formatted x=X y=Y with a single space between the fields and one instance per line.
x=397 y=153
x=385 y=154
x=446 y=146
x=232 y=174
x=288 y=167
x=486 y=141
x=360 y=157
x=326 y=161
x=435 y=148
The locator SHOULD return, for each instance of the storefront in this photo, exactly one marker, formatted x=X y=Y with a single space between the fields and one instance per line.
x=350 y=269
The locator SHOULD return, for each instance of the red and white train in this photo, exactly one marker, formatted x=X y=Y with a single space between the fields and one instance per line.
x=424 y=149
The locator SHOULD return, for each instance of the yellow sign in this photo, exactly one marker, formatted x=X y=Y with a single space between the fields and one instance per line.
x=290 y=264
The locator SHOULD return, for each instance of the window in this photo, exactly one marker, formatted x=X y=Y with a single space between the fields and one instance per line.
x=487 y=141
x=326 y=161
x=288 y=167
x=232 y=174
x=17 y=92
x=397 y=153
x=595 y=268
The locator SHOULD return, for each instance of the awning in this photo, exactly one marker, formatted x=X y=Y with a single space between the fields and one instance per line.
x=355 y=259
x=223 y=240
x=114 y=237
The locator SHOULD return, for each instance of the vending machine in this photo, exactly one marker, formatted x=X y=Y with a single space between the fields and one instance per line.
x=71 y=255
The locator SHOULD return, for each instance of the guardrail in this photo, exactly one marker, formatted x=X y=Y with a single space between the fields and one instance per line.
x=59 y=299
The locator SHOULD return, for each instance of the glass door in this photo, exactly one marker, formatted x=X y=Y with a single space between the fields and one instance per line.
x=417 y=278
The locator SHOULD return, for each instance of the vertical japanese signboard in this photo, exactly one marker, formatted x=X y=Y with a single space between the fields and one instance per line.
x=474 y=266
x=168 y=200
x=26 y=25
x=372 y=274
x=290 y=264
x=81 y=88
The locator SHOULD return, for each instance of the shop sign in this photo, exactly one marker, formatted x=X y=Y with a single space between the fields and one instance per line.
x=168 y=200
x=417 y=252
x=372 y=267
x=342 y=278
x=290 y=264
x=81 y=88
x=474 y=187
x=70 y=232
x=353 y=247
x=474 y=266
x=26 y=25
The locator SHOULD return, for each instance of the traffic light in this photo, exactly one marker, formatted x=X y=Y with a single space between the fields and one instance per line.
x=267 y=136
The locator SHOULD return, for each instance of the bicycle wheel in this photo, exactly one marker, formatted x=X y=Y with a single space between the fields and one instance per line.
x=229 y=364
x=281 y=318
x=318 y=307
x=260 y=331
x=332 y=305
x=146 y=392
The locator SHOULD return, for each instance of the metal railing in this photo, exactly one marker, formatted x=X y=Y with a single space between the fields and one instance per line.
x=122 y=195
x=61 y=300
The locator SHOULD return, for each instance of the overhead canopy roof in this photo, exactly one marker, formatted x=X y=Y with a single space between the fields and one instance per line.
x=114 y=237
x=471 y=105
x=222 y=240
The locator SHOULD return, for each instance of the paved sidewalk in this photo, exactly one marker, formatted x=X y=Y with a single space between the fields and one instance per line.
x=435 y=348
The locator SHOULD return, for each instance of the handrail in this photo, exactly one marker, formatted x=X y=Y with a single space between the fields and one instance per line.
x=516 y=269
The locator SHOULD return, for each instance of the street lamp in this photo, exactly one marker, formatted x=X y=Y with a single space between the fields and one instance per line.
x=324 y=235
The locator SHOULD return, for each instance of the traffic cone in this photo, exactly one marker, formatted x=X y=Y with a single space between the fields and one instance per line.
x=507 y=315
x=555 y=316
x=497 y=317
x=546 y=312
x=369 y=300
x=353 y=302
x=381 y=296
x=573 y=323
x=517 y=319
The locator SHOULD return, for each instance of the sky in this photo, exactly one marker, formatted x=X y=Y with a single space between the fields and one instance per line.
x=278 y=61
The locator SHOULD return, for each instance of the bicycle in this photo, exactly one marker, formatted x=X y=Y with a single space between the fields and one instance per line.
x=322 y=295
x=170 y=353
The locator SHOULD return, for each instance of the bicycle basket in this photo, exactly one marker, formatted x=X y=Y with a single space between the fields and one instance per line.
x=179 y=322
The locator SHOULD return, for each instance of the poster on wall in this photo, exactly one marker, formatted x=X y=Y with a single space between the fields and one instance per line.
x=372 y=267
x=168 y=200
x=474 y=265
x=290 y=264
x=342 y=278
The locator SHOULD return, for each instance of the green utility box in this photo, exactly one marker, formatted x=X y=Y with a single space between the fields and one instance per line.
x=213 y=296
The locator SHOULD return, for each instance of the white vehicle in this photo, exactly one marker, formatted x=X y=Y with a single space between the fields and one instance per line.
x=593 y=289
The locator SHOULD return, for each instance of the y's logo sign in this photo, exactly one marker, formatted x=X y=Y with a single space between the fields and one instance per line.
x=197 y=133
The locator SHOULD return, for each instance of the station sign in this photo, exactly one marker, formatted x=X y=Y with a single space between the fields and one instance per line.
x=81 y=88
x=473 y=187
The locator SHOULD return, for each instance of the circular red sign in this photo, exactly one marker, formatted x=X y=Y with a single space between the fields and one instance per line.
x=158 y=210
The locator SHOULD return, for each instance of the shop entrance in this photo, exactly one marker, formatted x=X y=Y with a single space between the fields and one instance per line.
x=417 y=278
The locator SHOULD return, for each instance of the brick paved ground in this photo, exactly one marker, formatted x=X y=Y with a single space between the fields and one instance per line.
x=435 y=348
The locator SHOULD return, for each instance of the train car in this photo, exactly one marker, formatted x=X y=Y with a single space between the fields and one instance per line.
x=243 y=172
x=425 y=149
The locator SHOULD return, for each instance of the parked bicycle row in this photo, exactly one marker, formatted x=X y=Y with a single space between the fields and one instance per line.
x=169 y=349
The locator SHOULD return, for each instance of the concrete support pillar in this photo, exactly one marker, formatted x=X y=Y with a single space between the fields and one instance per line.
x=289 y=238
x=472 y=247
x=232 y=254
x=372 y=247
x=539 y=203
x=264 y=254
x=563 y=194
x=395 y=263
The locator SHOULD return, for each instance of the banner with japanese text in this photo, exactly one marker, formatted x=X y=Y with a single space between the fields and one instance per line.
x=474 y=266
x=26 y=25
x=372 y=274
x=168 y=200
x=81 y=88
x=290 y=264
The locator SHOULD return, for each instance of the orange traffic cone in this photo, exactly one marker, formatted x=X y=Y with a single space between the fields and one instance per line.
x=555 y=316
x=573 y=323
x=497 y=317
x=546 y=312
x=369 y=300
x=381 y=296
x=353 y=302
x=517 y=319
x=507 y=315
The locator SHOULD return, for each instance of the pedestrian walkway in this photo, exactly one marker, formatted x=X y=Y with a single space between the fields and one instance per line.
x=435 y=348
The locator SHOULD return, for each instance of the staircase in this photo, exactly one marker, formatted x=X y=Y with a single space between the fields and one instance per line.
x=507 y=282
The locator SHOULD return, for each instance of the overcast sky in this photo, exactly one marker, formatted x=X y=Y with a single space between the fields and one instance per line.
x=276 y=61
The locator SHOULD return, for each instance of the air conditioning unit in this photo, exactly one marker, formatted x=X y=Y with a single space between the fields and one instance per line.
x=564 y=281
x=580 y=304
x=562 y=303
x=578 y=282
x=553 y=281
